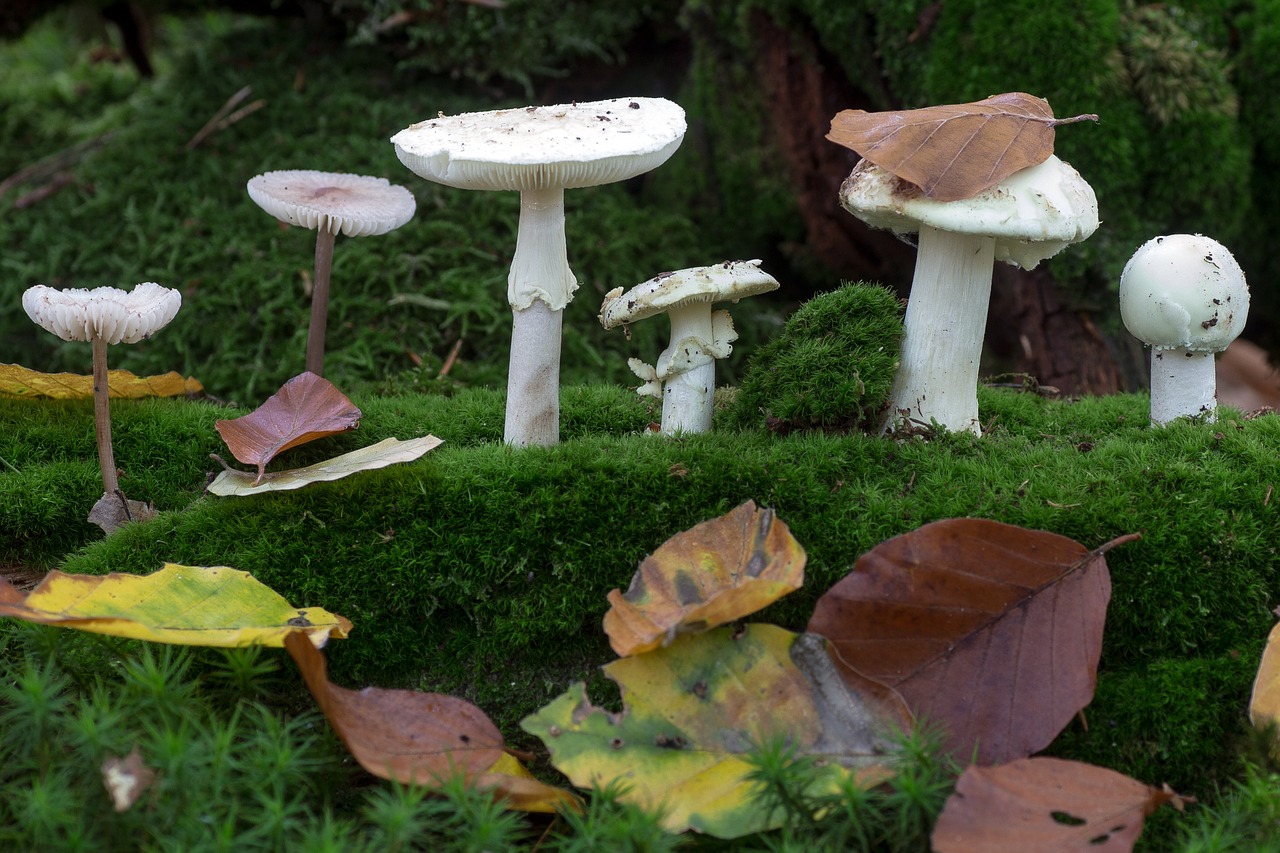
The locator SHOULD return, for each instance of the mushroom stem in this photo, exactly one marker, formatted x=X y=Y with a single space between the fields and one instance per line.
x=539 y=285
x=946 y=319
x=320 y=301
x=1183 y=384
x=102 y=418
x=689 y=388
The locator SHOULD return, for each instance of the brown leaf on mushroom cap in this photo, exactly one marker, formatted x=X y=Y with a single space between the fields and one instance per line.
x=954 y=151
x=307 y=407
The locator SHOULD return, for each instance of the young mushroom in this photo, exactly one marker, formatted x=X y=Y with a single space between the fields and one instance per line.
x=685 y=374
x=330 y=203
x=1031 y=215
x=103 y=316
x=540 y=152
x=1186 y=297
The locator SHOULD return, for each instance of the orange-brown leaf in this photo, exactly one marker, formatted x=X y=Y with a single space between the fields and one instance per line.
x=307 y=407
x=403 y=735
x=1044 y=804
x=709 y=575
x=954 y=151
x=992 y=630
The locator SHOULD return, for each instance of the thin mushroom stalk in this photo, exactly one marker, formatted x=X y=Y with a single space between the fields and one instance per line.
x=102 y=418
x=325 y=240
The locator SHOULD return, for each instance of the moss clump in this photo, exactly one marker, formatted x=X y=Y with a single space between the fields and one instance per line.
x=831 y=367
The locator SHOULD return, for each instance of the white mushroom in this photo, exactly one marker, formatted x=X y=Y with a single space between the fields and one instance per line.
x=1031 y=215
x=1185 y=296
x=685 y=374
x=540 y=152
x=330 y=203
x=103 y=316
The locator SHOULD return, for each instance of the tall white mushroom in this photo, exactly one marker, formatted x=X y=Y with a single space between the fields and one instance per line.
x=103 y=316
x=330 y=203
x=1185 y=296
x=685 y=374
x=540 y=152
x=1031 y=215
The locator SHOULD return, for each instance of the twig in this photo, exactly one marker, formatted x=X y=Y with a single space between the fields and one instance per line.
x=224 y=117
x=38 y=195
x=9 y=465
x=54 y=163
x=448 y=362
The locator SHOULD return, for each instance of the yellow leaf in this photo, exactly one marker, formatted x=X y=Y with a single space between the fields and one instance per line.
x=522 y=791
x=233 y=483
x=185 y=605
x=1264 y=705
x=19 y=381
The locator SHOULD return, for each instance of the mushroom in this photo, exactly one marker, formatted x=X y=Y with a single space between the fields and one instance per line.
x=1186 y=297
x=330 y=203
x=1031 y=215
x=103 y=316
x=540 y=152
x=685 y=374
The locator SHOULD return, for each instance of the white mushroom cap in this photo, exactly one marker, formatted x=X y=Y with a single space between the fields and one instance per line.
x=106 y=313
x=1033 y=214
x=724 y=282
x=1184 y=290
x=530 y=148
x=335 y=202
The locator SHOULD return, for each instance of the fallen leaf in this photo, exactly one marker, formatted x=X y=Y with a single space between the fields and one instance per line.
x=126 y=778
x=185 y=605
x=714 y=573
x=992 y=630
x=307 y=407
x=19 y=381
x=389 y=451
x=403 y=735
x=1264 y=703
x=522 y=791
x=1045 y=805
x=691 y=711
x=954 y=151
x=112 y=512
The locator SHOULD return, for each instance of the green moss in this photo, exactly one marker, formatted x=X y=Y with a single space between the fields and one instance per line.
x=831 y=367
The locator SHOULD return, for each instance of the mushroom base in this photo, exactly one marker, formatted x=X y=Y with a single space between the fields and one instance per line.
x=687 y=400
x=1184 y=384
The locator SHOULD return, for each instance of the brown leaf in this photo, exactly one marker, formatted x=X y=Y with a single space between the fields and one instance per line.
x=402 y=735
x=111 y=512
x=992 y=630
x=307 y=407
x=126 y=778
x=954 y=151
x=1046 y=805
x=713 y=573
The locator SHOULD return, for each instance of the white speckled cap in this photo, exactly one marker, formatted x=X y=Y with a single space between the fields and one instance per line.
x=339 y=203
x=106 y=313
x=530 y=148
x=1033 y=214
x=1184 y=290
x=724 y=282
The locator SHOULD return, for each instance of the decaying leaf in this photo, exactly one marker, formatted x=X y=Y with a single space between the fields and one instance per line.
x=954 y=151
x=112 y=512
x=992 y=630
x=126 y=778
x=19 y=381
x=1044 y=804
x=389 y=451
x=713 y=573
x=691 y=710
x=307 y=407
x=1264 y=704
x=522 y=791
x=184 y=605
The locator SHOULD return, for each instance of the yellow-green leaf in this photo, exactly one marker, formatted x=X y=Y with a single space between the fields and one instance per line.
x=19 y=381
x=233 y=483
x=185 y=605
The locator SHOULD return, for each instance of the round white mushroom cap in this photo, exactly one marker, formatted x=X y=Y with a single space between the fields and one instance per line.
x=724 y=282
x=335 y=202
x=532 y=148
x=106 y=313
x=1033 y=214
x=1184 y=290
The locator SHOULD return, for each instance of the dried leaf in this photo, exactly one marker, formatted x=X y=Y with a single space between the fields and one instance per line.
x=112 y=512
x=691 y=710
x=403 y=735
x=713 y=573
x=185 y=605
x=126 y=778
x=18 y=381
x=522 y=791
x=307 y=407
x=1264 y=704
x=954 y=151
x=389 y=451
x=1046 y=805
x=992 y=630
